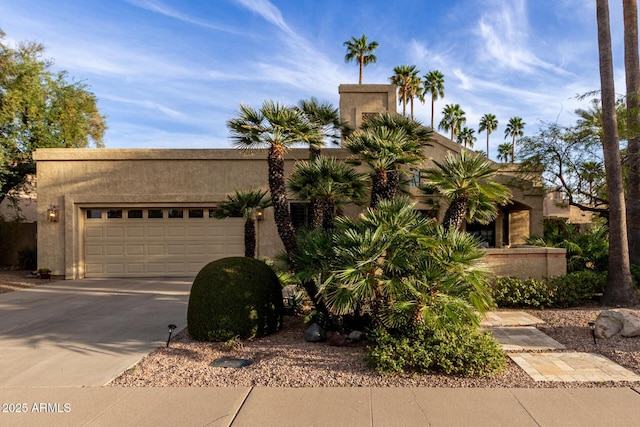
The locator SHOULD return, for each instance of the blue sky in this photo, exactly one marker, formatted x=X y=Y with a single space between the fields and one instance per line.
x=169 y=74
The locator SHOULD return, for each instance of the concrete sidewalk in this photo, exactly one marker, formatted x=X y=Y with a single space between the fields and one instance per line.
x=260 y=406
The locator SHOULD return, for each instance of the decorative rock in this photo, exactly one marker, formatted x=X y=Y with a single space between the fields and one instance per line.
x=618 y=321
x=355 y=335
x=315 y=333
x=338 y=340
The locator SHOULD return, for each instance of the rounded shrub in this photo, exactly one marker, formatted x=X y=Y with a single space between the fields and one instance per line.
x=515 y=292
x=234 y=297
x=578 y=287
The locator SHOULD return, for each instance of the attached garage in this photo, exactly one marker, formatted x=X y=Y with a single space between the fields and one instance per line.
x=137 y=242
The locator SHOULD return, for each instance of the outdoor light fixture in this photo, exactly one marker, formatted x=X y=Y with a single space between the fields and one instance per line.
x=172 y=328
x=53 y=214
x=592 y=325
x=259 y=214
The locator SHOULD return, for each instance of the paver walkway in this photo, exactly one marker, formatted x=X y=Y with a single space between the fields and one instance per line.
x=513 y=331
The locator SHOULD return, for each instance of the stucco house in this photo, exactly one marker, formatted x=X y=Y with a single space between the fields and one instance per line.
x=148 y=212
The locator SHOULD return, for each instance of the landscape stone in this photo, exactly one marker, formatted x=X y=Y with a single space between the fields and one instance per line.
x=618 y=321
x=315 y=333
x=338 y=340
x=355 y=335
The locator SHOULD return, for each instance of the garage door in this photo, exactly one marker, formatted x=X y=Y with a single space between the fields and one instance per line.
x=132 y=242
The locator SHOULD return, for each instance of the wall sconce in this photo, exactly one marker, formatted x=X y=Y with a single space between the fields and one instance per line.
x=53 y=214
x=259 y=214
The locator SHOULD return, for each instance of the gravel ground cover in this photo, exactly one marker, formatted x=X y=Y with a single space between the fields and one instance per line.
x=14 y=280
x=286 y=360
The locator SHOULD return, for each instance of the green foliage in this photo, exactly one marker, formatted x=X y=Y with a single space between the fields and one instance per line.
x=452 y=348
x=39 y=109
x=515 y=292
x=28 y=258
x=586 y=250
x=578 y=287
x=235 y=296
x=635 y=275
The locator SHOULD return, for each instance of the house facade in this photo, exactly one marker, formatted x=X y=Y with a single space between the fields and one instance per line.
x=149 y=212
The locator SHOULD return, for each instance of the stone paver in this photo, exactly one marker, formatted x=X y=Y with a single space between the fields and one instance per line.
x=571 y=367
x=524 y=338
x=509 y=318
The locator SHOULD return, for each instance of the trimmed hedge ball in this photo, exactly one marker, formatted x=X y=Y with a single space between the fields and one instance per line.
x=232 y=297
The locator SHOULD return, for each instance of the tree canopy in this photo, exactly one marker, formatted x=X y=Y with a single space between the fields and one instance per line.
x=40 y=108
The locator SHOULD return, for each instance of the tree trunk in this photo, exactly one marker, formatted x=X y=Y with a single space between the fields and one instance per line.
x=250 y=238
x=393 y=182
x=277 y=187
x=488 y=133
x=378 y=187
x=632 y=72
x=618 y=290
x=454 y=216
x=316 y=213
x=328 y=214
x=361 y=61
x=433 y=104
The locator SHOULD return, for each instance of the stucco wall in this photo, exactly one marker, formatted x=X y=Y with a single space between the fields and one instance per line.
x=527 y=262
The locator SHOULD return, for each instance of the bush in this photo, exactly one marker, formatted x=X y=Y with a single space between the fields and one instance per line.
x=452 y=349
x=234 y=297
x=578 y=287
x=635 y=275
x=516 y=293
x=28 y=258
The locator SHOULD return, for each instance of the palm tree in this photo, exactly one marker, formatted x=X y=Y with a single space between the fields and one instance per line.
x=488 y=123
x=243 y=203
x=505 y=153
x=632 y=73
x=467 y=182
x=398 y=266
x=453 y=118
x=514 y=128
x=619 y=289
x=362 y=51
x=466 y=137
x=434 y=84
x=277 y=128
x=405 y=78
x=326 y=118
x=331 y=183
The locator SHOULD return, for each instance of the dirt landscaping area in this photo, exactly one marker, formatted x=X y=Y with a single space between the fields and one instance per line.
x=14 y=280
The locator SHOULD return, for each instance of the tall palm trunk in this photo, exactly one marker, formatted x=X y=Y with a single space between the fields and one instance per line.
x=250 y=238
x=488 y=133
x=632 y=72
x=277 y=187
x=454 y=216
x=361 y=61
x=619 y=290
x=433 y=105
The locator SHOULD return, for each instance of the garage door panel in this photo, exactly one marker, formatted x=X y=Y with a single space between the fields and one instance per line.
x=158 y=246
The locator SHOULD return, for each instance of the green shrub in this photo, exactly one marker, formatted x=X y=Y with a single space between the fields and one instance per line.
x=635 y=275
x=578 y=287
x=28 y=258
x=234 y=297
x=452 y=349
x=515 y=292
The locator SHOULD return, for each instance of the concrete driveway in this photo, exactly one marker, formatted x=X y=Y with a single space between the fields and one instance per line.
x=85 y=332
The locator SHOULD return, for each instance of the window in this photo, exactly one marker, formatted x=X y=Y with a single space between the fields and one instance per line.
x=94 y=213
x=484 y=232
x=212 y=213
x=114 y=213
x=196 y=213
x=300 y=214
x=155 y=213
x=134 y=213
x=176 y=213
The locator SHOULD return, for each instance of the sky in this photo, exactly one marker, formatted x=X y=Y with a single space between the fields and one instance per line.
x=170 y=73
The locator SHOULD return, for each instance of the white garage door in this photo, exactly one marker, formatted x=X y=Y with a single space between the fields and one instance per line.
x=133 y=242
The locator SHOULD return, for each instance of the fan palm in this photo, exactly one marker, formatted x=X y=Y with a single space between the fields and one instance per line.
x=331 y=183
x=327 y=119
x=406 y=78
x=434 y=84
x=243 y=203
x=277 y=128
x=466 y=137
x=514 y=129
x=453 y=117
x=505 y=152
x=467 y=182
x=488 y=123
x=396 y=265
x=361 y=51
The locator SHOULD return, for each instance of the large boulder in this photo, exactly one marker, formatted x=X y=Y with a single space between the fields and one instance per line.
x=234 y=297
x=618 y=321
